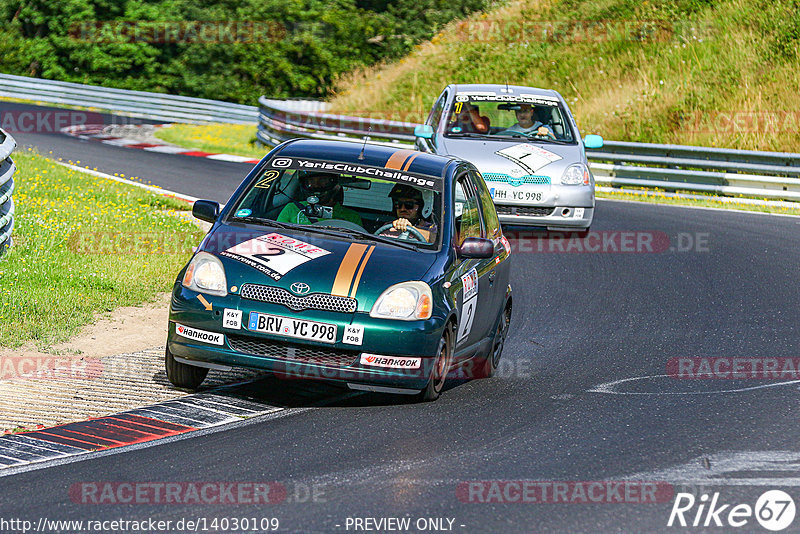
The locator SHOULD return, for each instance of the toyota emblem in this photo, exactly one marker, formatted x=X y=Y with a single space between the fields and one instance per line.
x=300 y=288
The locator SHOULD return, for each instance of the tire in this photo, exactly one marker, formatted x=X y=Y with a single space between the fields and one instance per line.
x=492 y=360
x=182 y=375
x=441 y=367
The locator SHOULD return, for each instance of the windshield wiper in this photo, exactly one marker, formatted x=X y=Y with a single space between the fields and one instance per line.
x=548 y=140
x=519 y=135
x=264 y=220
x=302 y=227
x=334 y=231
x=466 y=134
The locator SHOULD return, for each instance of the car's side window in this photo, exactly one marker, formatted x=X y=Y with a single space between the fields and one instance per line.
x=466 y=210
x=487 y=206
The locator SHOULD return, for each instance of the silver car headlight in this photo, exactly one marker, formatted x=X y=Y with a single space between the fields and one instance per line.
x=205 y=274
x=407 y=301
x=577 y=174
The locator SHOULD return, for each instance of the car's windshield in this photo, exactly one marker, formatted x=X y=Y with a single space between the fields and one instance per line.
x=383 y=202
x=487 y=114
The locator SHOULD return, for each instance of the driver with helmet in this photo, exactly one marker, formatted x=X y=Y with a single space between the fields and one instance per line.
x=412 y=211
x=326 y=188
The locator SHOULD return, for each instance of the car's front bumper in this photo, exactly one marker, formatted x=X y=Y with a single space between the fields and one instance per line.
x=562 y=217
x=291 y=358
x=562 y=207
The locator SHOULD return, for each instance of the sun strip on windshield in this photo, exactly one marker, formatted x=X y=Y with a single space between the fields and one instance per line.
x=398 y=174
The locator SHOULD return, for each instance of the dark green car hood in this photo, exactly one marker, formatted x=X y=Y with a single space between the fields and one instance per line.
x=358 y=268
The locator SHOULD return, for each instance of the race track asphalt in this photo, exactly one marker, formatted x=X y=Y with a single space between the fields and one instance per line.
x=582 y=321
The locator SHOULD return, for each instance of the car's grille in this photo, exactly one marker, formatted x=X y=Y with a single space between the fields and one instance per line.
x=527 y=211
x=516 y=180
x=292 y=351
x=314 y=301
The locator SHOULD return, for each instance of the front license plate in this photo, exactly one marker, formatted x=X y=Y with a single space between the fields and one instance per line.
x=291 y=327
x=531 y=195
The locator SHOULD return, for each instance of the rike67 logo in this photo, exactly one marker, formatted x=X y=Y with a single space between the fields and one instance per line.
x=774 y=510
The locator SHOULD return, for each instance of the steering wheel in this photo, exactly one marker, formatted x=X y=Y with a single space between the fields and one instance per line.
x=410 y=230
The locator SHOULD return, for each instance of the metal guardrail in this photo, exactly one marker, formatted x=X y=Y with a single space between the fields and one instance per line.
x=7 y=168
x=157 y=106
x=671 y=167
x=692 y=168
x=280 y=120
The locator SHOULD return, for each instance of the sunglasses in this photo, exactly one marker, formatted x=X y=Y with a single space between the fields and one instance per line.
x=406 y=204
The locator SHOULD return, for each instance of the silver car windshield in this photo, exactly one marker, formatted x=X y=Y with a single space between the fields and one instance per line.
x=503 y=116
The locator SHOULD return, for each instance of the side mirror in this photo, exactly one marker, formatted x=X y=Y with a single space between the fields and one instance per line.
x=424 y=131
x=476 y=247
x=593 y=141
x=206 y=210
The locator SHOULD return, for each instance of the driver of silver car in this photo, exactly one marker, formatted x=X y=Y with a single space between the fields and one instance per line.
x=528 y=122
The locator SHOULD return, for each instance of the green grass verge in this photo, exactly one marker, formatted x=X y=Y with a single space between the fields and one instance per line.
x=236 y=139
x=83 y=245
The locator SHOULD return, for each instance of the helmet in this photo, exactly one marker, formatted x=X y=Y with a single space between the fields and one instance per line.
x=324 y=189
x=425 y=198
x=405 y=191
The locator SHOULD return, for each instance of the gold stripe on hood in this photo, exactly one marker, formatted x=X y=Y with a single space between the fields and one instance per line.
x=344 y=277
x=360 y=271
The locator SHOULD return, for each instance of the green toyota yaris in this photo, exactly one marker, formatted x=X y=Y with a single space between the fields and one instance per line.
x=379 y=268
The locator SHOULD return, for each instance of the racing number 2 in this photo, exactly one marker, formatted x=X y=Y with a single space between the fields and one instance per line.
x=467 y=315
x=269 y=254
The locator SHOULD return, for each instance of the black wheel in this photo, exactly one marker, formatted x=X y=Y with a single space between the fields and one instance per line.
x=492 y=360
x=182 y=375
x=441 y=367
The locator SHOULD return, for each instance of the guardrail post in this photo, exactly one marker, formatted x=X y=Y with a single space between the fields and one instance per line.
x=7 y=169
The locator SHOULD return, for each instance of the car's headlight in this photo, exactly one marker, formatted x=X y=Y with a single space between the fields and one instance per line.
x=577 y=174
x=205 y=274
x=407 y=301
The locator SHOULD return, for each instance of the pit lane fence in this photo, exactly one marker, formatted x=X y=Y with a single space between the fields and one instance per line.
x=7 y=169
x=156 y=106
x=721 y=171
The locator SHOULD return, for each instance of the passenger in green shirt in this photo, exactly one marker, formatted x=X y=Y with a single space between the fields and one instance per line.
x=326 y=187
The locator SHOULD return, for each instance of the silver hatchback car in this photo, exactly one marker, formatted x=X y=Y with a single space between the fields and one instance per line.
x=527 y=146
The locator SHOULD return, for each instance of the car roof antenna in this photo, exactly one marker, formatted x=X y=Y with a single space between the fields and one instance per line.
x=366 y=138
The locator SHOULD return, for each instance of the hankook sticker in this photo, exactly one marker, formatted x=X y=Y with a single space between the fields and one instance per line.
x=390 y=362
x=215 y=338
